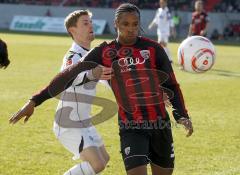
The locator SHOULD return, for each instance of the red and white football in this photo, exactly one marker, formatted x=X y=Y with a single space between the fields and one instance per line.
x=196 y=54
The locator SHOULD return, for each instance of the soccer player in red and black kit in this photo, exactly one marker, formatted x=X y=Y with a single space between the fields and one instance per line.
x=4 y=61
x=200 y=20
x=142 y=71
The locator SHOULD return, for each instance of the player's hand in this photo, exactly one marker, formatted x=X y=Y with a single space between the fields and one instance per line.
x=187 y=123
x=102 y=73
x=26 y=112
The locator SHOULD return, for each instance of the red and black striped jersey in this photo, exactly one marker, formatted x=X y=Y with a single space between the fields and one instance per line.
x=141 y=73
x=199 y=22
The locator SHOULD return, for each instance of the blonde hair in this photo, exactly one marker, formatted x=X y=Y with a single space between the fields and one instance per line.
x=198 y=1
x=72 y=18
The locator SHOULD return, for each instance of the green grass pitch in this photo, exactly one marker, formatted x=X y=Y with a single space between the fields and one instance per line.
x=212 y=99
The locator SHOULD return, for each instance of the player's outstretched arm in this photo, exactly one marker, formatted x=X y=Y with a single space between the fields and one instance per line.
x=25 y=112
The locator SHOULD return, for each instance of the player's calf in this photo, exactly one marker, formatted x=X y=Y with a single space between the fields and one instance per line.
x=83 y=168
x=94 y=156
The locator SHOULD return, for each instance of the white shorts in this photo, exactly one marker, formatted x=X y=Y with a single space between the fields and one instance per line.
x=163 y=37
x=77 y=139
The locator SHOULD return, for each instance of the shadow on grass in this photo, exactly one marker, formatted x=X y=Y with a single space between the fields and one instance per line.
x=219 y=72
x=226 y=73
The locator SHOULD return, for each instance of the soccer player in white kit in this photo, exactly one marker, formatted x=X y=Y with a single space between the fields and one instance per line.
x=84 y=142
x=165 y=26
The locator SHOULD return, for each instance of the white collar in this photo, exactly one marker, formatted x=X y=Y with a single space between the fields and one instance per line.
x=76 y=48
x=165 y=9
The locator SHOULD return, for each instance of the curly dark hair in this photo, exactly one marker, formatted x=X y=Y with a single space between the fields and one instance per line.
x=4 y=61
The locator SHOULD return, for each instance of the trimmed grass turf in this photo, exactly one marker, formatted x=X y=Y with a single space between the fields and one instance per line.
x=212 y=99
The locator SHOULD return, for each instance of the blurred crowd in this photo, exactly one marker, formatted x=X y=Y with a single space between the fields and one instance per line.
x=231 y=6
x=231 y=32
x=185 y=5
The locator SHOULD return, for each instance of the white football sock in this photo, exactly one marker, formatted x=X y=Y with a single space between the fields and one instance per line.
x=168 y=53
x=83 y=168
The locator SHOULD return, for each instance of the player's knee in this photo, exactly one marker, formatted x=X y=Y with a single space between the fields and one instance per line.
x=99 y=166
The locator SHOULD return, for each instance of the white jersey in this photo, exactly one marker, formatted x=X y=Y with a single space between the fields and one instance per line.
x=163 y=20
x=71 y=97
x=75 y=139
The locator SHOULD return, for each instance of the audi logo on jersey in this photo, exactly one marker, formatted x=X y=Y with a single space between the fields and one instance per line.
x=130 y=61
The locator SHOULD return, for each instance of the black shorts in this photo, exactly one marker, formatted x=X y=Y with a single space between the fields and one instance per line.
x=140 y=147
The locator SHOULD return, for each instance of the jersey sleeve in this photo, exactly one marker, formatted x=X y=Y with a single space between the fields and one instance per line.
x=155 y=19
x=95 y=58
x=64 y=79
x=70 y=59
x=94 y=55
x=177 y=101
